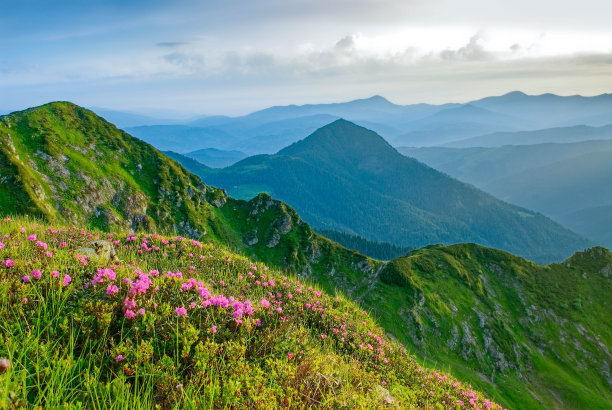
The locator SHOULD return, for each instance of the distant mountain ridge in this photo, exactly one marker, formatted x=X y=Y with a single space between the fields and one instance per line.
x=269 y=130
x=568 y=182
x=345 y=177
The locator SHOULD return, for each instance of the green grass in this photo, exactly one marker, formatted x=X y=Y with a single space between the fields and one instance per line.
x=75 y=346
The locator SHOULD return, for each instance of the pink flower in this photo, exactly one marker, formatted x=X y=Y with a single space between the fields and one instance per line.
x=63 y=244
x=213 y=329
x=42 y=245
x=36 y=274
x=119 y=358
x=264 y=303
x=141 y=311
x=289 y=355
x=55 y=273
x=130 y=314
x=67 y=280
x=180 y=311
x=32 y=237
x=323 y=336
x=1 y=245
x=384 y=383
x=25 y=279
x=111 y=289
x=8 y=263
x=49 y=255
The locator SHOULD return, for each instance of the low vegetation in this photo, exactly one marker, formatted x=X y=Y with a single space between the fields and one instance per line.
x=99 y=320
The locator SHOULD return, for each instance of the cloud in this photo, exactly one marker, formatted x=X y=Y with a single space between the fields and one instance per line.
x=474 y=50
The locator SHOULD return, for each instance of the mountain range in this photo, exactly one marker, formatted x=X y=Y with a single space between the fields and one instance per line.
x=568 y=182
x=269 y=130
x=347 y=178
x=530 y=336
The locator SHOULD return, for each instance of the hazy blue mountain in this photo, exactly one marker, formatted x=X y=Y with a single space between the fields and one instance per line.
x=347 y=178
x=560 y=188
x=270 y=129
x=375 y=109
x=575 y=133
x=567 y=182
x=456 y=123
x=216 y=158
x=123 y=119
x=182 y=138
x=480 y=166
x=550 y=110
x=594 y=223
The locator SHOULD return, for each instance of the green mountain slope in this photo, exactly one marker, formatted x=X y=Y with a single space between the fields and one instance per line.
x=344 y=177
x=539 y=336
x=176 y=323
x=62 y=163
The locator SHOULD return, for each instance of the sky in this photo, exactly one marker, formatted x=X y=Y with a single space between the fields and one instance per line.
x=187 y=57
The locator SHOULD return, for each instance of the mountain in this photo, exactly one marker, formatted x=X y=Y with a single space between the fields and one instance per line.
x=62 y=163
x=270 y=129
x=562 y=187
x=550 y=110
x=558 y=315
x=267 y=131
x=123 y=119
x=194 y=328
x=567 y=182
x=347 y=178
x=541 y=336
x=484 y=165
x=594 y=223
x=577 y=133
x=181 y=138
x=216 y=158
x=454 y=124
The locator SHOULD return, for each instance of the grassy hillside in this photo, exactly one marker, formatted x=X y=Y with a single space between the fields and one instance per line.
x=168 y=322
x=48 y=171
x=346 y=178
x=539 y=337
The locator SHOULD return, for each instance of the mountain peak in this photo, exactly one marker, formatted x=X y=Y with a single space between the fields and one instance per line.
x=340 y=136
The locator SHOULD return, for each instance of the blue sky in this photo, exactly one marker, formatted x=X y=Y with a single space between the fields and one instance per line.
x=187 y=57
